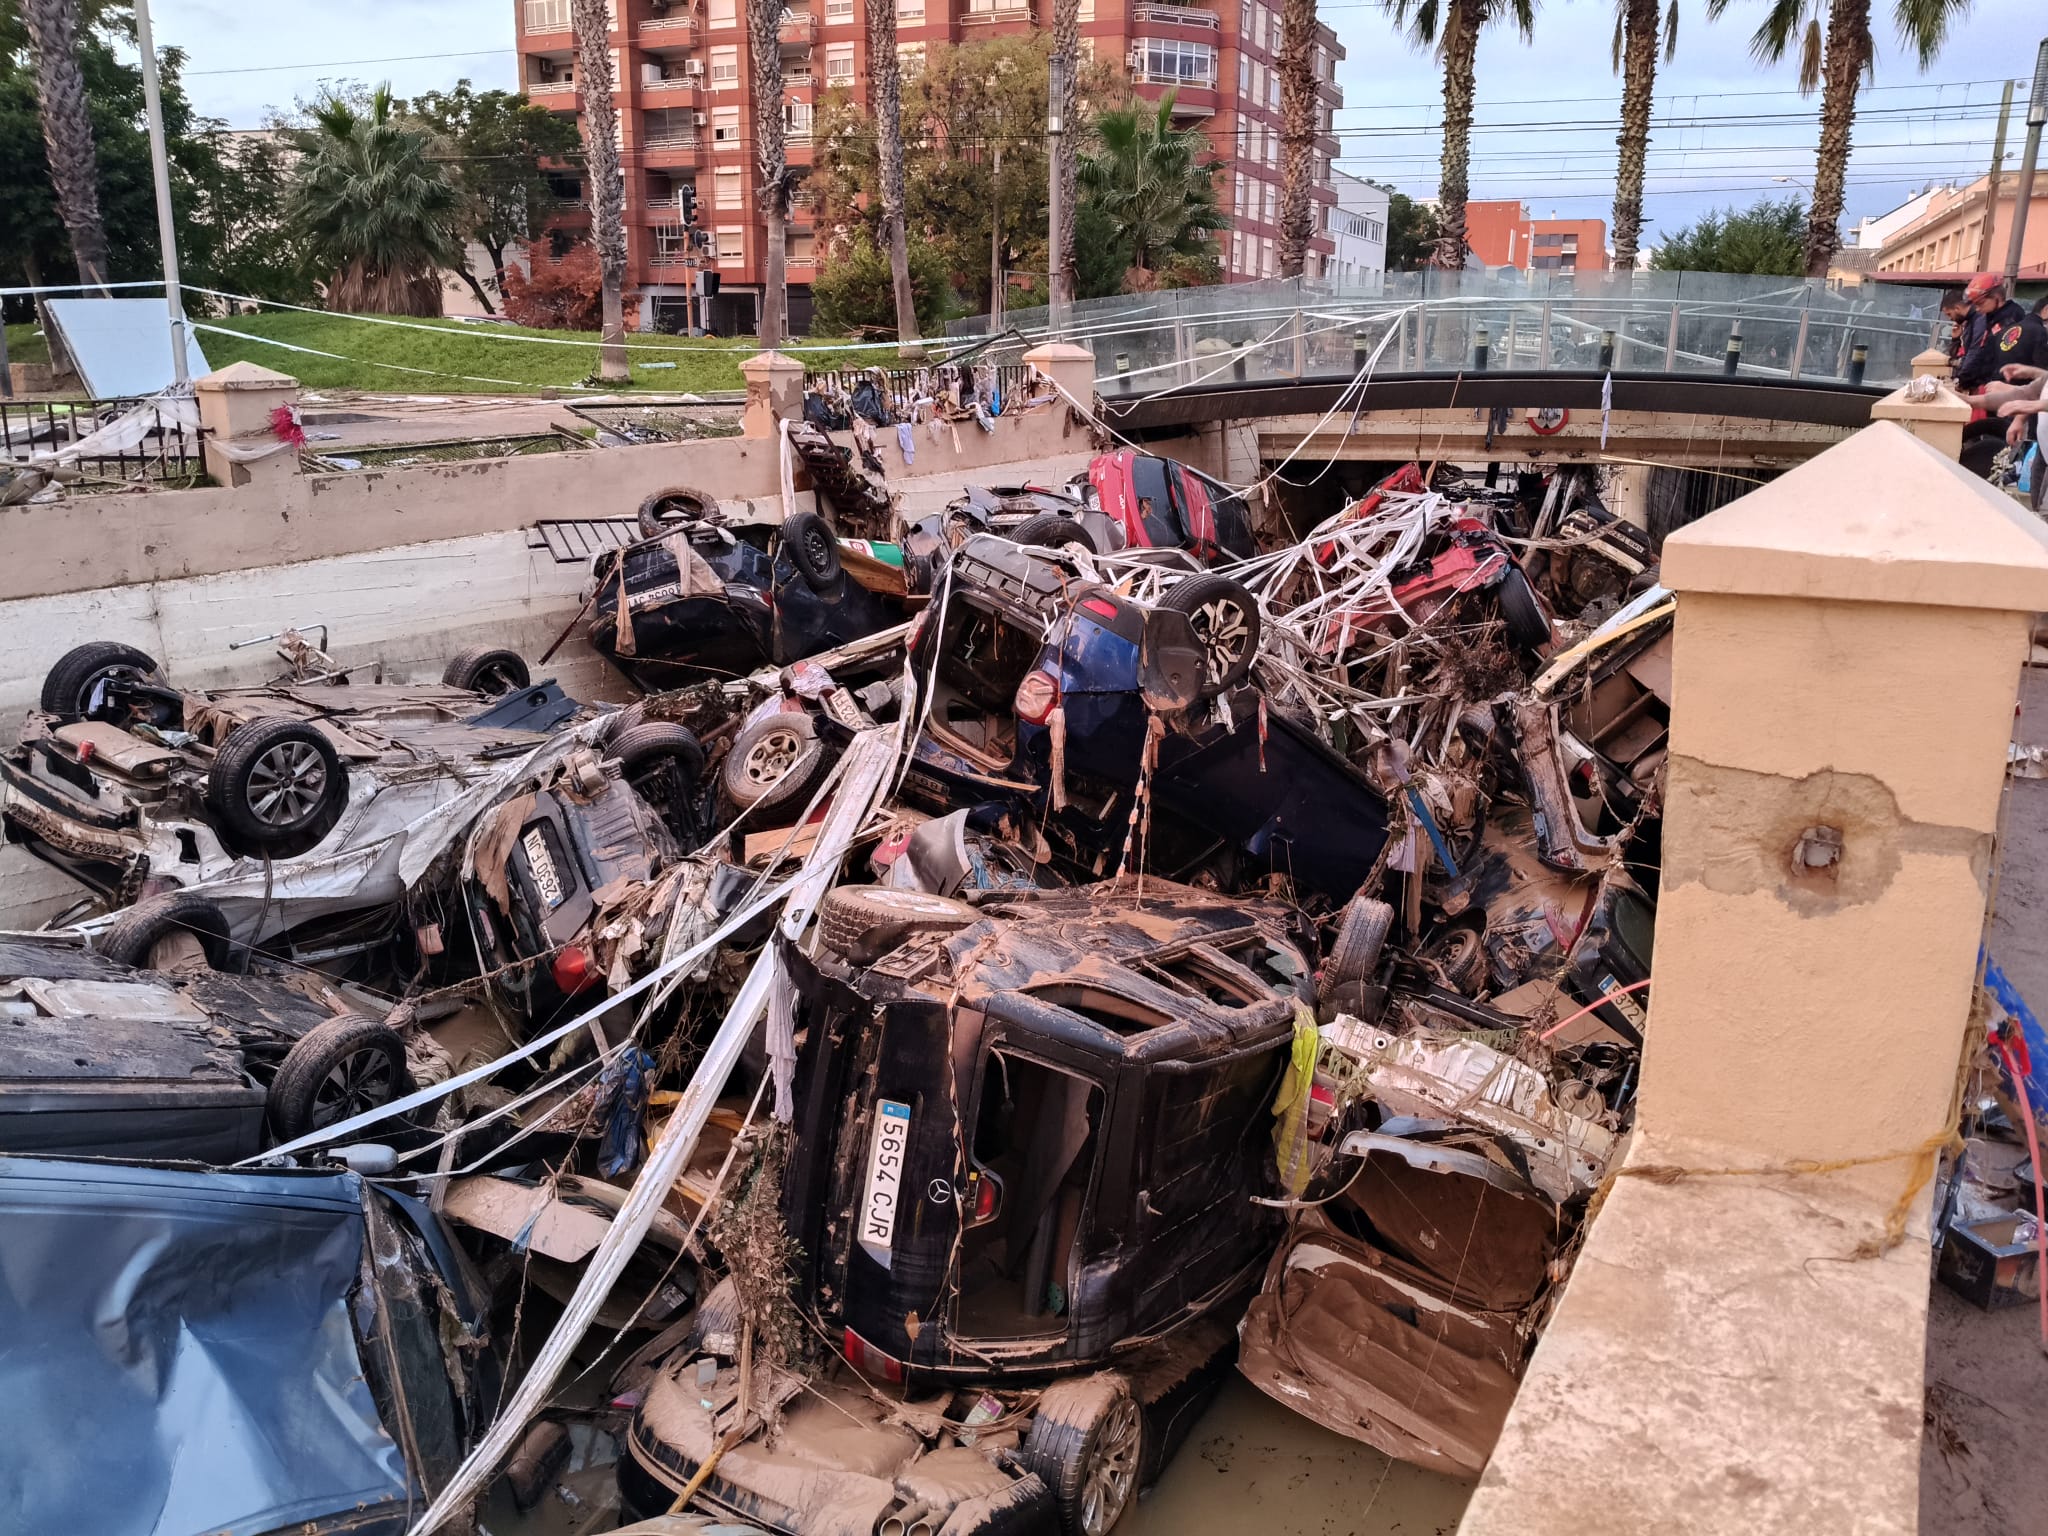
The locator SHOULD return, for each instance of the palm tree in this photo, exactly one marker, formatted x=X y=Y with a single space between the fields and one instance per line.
x=1837 y=60
x=1155 y=182
x=592 y=23
x=67 y=131
x=1297 y=131
x=378 y=213
x=1452 y=27
x=1635 y=57
x=1065 y=76
x=885 y=98
x=771 y=161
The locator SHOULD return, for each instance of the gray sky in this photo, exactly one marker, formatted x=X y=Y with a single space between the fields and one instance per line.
x=1724 y=126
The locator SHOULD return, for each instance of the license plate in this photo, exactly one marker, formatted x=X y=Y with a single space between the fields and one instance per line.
x=885 y=1180
x=541 y=865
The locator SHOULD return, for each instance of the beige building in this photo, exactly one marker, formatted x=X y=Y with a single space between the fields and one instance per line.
x=1947 y=239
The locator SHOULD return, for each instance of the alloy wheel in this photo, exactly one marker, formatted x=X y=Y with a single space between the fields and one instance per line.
x=1112 y=1469
x=1224 y=632
x=286 y=784
x=362 y=1080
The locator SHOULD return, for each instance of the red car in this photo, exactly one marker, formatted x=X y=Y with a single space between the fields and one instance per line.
x=1162 y=504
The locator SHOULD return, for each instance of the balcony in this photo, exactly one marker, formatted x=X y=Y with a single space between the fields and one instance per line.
x=666 y=31
x=553 y=93
x=538 y=17
x=997 y=10
x=1192 y=99
x=670 y=90
x=798 y=29
x=670 y=152
x=1177 y=16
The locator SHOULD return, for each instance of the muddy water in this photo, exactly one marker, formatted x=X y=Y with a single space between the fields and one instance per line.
x=1250 y=1465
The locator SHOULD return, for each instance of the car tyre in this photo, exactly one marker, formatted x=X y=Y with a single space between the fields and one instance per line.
x=1356 y=953
x=337 y=1070
x=277 y=787
x=1049 y=530
x=1528 y=625
x=851 y=912
x=774 y=761
x=665 y=511
x=1226 y=620
x=1087 y=1445
x=67 y=686
x=664 y=763
x=137 y=932
x=488 y=670
x=813 y=549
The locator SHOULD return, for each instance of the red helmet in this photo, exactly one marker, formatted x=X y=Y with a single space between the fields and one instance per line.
x=1983 y=283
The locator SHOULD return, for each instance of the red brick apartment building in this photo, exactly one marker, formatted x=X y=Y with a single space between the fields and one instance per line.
x=684 y=93
x=1501 y=234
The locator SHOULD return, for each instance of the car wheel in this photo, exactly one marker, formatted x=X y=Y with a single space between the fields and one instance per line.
x=136 y=933
x=487 y=670
x=276 y=788
x=664 y=763
x=774 y=761
x=665 y=511
x=851 y=912
x=1087 y=1444
x=813 y=549
x=337 y=1070
x=1459 y=955
x=68 y=686
x=1528 y=626
x=1226 y=621
x=1360 y=938
x=1051 y=531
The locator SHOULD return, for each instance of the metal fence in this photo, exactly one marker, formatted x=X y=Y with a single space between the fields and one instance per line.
x=904 y=383
x=168 y=452
x=1761 y=328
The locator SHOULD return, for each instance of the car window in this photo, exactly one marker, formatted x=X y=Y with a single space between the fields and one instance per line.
x=1155 y=501
x=1233 y=517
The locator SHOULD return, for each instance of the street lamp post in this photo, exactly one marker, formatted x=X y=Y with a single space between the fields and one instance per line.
x=2037 y=114
x=166 y=225
x=1061 y=277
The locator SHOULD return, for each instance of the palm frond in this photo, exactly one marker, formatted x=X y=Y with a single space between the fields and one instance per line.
x=1671 y=33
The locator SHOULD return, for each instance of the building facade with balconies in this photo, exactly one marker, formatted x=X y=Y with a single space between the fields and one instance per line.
x=684 y=90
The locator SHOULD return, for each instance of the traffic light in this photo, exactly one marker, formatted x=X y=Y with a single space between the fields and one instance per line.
x=687 y=198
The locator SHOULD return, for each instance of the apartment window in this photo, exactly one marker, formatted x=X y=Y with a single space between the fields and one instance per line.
x=1272 y=200
x=1236 y=250
x=1172 y=60
x=669 y=125
x=1237 y=196
x=800 y=245
x=730 y=193
x=796 y=120
x=732 y=243
x=839 y=63
x=839 y=10
x=911 y=11
x=671 y=244
x=1244 y=18
x=1244 y=75
x=725 y=68
x=1273 y=89
x=1266 y=255
x=722 y=13
x=1258 y=26
x=725 y=125
x=1087 y=11
x=1374 y=229
x=910 y=60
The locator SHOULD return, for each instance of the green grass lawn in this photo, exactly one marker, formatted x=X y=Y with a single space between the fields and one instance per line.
x=453 y=358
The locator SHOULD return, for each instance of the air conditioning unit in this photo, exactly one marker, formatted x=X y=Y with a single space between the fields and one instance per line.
x=693 y=66
x=700 y=118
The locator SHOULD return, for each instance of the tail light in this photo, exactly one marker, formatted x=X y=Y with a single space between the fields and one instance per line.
x=870 y=1361
x=917 y=628
x=984 y=1197
x=574 y=972
x=1037 y=697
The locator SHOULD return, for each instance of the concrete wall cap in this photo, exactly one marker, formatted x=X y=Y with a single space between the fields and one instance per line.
x=1059 y=352
x=1881 y=518
x=771 y=362
x=1927 y=398
x=245 y=375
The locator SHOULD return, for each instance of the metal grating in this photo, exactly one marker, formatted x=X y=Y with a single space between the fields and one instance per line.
x=575 y=540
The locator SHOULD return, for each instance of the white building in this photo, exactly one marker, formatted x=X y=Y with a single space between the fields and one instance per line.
x=1357 y=225
x=1871 y=233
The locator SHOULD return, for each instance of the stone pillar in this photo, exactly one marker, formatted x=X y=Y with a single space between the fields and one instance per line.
x=1740 y=1345
x=1072 y=368
x=1932 y=363
x=236 y=407
x=775 y=392
x=1928 y=408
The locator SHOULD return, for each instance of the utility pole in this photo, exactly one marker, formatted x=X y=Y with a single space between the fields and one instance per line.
x=2037 y=114
x=166 y=225
x=1991 y=181
x=1061 y=276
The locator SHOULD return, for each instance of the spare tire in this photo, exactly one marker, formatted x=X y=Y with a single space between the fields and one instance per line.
x=664 y=511
x=774 y=761
x=68 y=686
x=1049 y=530
x=489 y=670
x=1227 y=624
x=276 y=788
x=851 y=911
x=813 y=549
x=335 y=1071
x=137 y=932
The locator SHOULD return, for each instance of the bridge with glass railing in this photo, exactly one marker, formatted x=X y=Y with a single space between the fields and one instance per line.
x=1768 y=347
